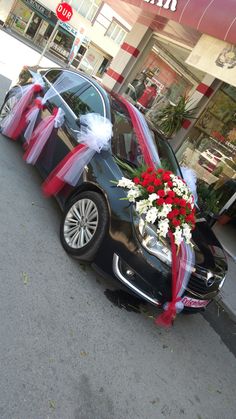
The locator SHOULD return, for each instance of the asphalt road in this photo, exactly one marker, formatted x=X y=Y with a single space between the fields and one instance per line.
x=68 y=352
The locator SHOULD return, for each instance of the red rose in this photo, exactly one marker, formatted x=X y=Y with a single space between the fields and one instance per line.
x=175 y=222
x=143 y=174
x=182 y=202
x=176 y=212
x=183 y=211
x=160 y=201
x=149 y=169
x=136 y=180
x=170 y=184
x=176 y=201
x=170 y=215
x=145 y=183
x=190 y=218
x=150 y=189
x=157 y=182
x=160 y=170
x=166 y=177
x=161 y=193
x=189 y=206
x=171 y=194
x=168 y=200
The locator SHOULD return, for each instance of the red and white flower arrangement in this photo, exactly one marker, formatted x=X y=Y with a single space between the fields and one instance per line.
x=163 y=199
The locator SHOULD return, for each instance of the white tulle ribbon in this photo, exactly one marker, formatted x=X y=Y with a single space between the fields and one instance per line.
x=41 y=135
x=11 y=125
x=62 y=84
x=190 y=178
x=95 y=135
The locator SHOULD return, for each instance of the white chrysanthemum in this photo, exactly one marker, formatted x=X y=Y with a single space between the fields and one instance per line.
x=133 y=194
x=163 y=227
x=153 y=197
x=178 y=236
x=187 y=233
x=142 y=206
x=125 y=183
x=152 y=215
x=164 y=210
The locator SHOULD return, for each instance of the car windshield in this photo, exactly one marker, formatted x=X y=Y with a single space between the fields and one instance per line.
x=125 y=144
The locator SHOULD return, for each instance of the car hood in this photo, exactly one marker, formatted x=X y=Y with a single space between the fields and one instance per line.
x=209 y=253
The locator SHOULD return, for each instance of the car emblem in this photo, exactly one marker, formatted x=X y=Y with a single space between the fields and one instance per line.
x=209 y=281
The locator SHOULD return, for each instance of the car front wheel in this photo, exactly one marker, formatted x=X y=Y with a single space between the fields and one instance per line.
x=84 y=225
x=8 y=105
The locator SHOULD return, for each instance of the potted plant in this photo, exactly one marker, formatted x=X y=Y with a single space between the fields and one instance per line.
x=170 y=118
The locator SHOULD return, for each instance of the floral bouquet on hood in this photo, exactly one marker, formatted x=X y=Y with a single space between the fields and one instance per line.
x=163 y=199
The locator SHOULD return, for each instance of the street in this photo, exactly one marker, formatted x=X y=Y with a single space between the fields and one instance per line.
x=68 y=352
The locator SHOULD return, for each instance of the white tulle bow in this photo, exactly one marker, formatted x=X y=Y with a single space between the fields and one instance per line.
x=95 y=135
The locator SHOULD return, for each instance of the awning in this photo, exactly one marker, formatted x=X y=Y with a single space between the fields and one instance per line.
x=213 y=17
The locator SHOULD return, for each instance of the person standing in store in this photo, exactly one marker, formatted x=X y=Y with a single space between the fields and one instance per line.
x=148 y=96
x=139 y=86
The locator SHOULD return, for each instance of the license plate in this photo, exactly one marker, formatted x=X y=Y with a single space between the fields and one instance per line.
x=192 y=302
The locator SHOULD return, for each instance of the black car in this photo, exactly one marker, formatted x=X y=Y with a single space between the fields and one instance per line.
x=97 y=226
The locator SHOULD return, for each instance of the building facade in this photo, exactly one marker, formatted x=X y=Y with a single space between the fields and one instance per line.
x=103 y=30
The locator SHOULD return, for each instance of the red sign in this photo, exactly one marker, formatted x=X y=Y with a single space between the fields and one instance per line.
x=64 y=12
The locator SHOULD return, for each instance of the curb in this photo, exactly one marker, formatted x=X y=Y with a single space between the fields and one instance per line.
x=225 y=307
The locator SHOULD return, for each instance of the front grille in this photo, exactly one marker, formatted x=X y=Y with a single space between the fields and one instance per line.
x=204 y=285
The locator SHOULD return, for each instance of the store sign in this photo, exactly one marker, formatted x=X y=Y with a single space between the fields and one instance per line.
x=215 y=57
x=68 y=28
x=64 y=12
x=166 y=4
x=76 y=44
x=38 y=7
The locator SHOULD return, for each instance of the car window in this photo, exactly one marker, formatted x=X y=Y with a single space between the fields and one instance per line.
x=125 y=144
x=89 y=101
x=52 y=75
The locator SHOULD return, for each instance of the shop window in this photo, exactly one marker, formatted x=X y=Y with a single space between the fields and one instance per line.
x=86 y=102
x=87 y=8
x=210 y=149
x=116 y=32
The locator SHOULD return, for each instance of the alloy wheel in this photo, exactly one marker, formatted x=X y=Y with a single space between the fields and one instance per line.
x=81 y=223
x=7 y=107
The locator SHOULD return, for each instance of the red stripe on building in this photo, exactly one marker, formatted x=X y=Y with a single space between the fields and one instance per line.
x=205 y=90
x=130 y=49
x=186 y=123
x=114 y=75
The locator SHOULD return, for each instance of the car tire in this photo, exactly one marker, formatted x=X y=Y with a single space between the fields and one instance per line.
x=8 y=104
x=84 y=225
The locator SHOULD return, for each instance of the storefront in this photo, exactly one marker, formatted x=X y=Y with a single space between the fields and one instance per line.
x=210 y=149
x=35 y=22
x=95 y=61
x=164 y=69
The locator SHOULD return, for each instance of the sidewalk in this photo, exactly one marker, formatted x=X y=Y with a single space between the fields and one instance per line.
x=227 y=297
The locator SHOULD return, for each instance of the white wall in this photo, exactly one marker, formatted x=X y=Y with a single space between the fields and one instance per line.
x=5 y=7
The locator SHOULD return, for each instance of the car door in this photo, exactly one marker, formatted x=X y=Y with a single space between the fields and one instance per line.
x=83 y=98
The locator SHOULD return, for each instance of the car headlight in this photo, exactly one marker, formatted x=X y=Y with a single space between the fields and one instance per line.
x=150 y=241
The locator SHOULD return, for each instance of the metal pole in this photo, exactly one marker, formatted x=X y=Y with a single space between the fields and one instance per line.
x=48 y=44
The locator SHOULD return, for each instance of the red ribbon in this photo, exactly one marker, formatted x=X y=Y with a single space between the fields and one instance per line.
x=53 y=184
x=139 y=132
x=18 y=124
x=166 y=319
x=38 y=133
